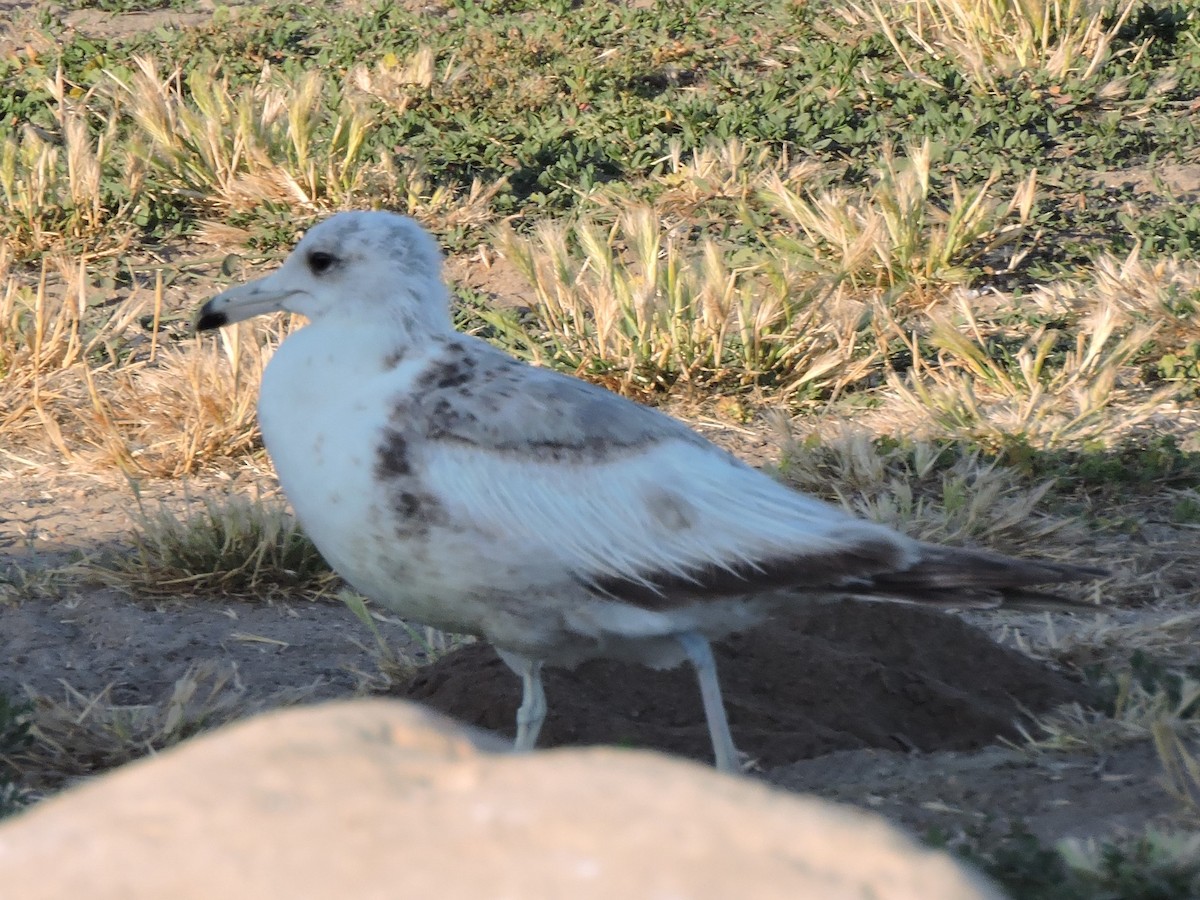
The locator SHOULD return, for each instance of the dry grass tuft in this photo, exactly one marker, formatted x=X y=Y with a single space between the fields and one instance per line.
x=81 y=735
x=714 y=180
x=232 y=546
x=104 y=385
x=399 y=83
x=1142 y=701
x=279 y=143
x=1051 y=391
x=895 y=234
x=1181 y=768
x=992 y=41
x=931 y=492
x=88 y=383
x=1171 y=636
x=639 y=307
x=1163 y=294
x=397 y=668
x=1138 y=711
x=292 y=144
x=67 y=188
x=190 y=408
x=49 y=345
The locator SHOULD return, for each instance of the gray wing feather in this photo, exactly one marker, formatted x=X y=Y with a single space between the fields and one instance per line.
x=473 y=394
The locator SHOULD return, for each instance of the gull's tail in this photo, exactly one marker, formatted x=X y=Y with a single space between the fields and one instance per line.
x=954 y=576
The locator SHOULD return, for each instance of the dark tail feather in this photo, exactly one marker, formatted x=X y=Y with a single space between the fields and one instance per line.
x=952 y=576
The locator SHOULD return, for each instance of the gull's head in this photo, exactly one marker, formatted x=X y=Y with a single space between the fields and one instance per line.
x=371 y=267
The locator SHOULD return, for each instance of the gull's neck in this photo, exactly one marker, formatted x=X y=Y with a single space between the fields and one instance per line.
x=366 y=342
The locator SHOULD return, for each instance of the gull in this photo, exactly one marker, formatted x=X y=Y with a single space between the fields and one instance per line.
x=470 y=491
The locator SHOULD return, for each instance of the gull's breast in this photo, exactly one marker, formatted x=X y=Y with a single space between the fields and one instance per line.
x=326 y=425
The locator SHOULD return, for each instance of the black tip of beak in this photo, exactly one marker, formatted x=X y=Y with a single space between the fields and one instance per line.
x=209 y=319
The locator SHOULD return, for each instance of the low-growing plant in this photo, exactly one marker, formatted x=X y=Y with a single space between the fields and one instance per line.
x=1157 y=865
x=282 y=142
x=14 y=739
x=896 y=233
x=993 y=41
x=193 y=406
x=1142 y=701
x=232 y=546
x=936 y=491
x=396 y=667
x=640 y=308
x=285 y=146
x=48 y=337
x=127 y=6
x=72 y=188
x=1053 y=391
x=78 y=735
x=87 y=381
x=1153 y=865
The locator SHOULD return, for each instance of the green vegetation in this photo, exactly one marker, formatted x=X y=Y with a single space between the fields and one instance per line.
x=757 y=195
x=14 y=739
x=78 y=735
x=559 y=106
x=1152 y=866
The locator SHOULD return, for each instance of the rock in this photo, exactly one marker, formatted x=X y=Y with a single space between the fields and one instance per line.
x=380 y=799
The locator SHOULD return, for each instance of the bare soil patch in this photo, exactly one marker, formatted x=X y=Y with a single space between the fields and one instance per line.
x=831 y=677
x=1055 y=796
x=97 y=640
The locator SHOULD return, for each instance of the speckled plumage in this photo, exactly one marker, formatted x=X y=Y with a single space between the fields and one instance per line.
x=467 y=490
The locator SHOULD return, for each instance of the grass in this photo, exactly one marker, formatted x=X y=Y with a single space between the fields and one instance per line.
x=1139 y=700
x=14 y=739
x=943 y=233
x=68 y=184
x=1047 y=394
x=633 y=306
x=1155 y=865
x=895 y=234
x=251 y=149
x=233 y=547
x=937 y=492
x=396 y=668
x=77 y=735
x=801 y=259
x=992 y=42
x=118 y=385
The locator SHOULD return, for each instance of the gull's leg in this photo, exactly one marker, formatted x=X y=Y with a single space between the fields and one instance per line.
x=532 y=712
x=698 y=651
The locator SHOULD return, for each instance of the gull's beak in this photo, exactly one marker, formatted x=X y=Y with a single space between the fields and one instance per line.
x=243 y=302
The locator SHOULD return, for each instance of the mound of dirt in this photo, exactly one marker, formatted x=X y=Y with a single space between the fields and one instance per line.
x=829 y=677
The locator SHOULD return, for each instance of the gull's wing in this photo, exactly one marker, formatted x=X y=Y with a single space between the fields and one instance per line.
x=574 y=481
x=581 y=484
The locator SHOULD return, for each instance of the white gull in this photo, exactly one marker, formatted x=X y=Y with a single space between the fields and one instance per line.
x=466 y=490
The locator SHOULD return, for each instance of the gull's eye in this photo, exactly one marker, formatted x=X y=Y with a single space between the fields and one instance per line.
x=320 y=262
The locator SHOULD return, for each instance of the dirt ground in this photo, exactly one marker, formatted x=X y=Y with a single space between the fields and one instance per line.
x=843 y=676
